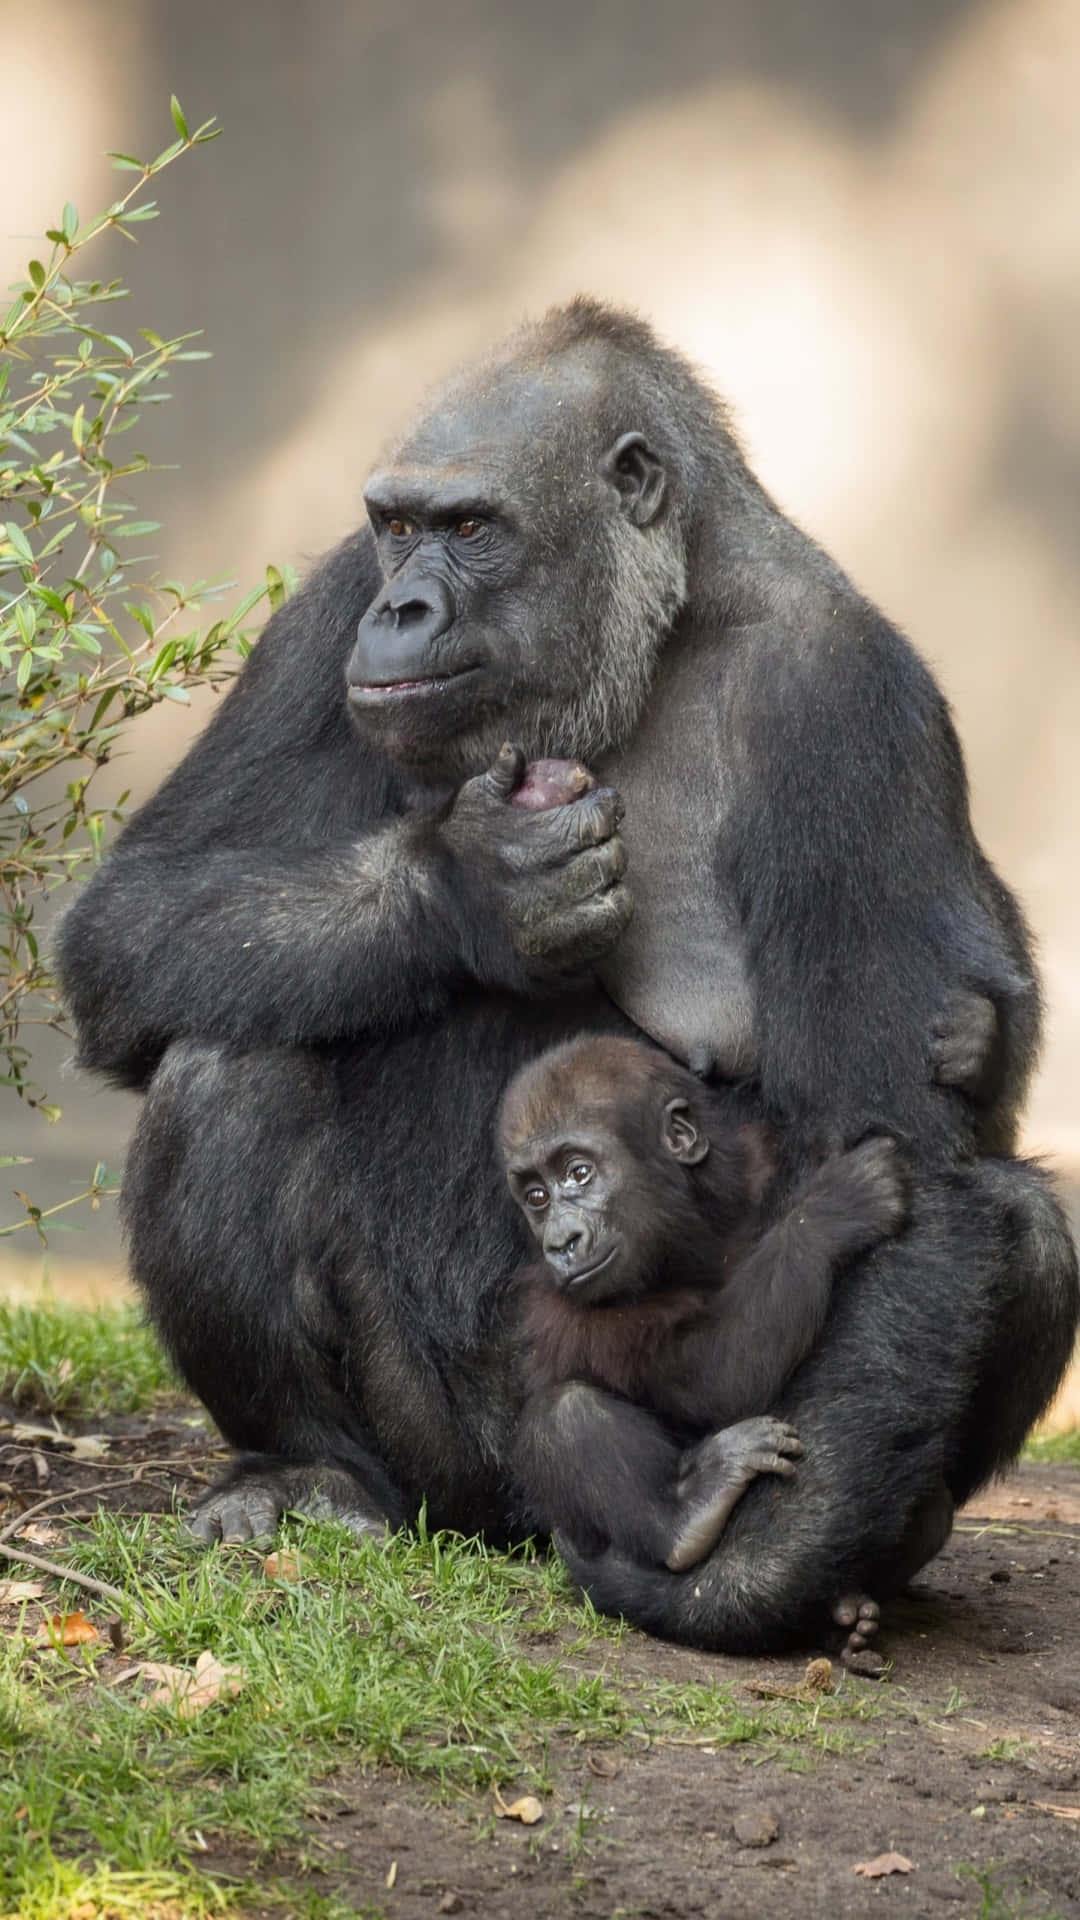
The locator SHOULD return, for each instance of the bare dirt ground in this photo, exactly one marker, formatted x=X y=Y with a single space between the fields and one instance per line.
x=968 y=1766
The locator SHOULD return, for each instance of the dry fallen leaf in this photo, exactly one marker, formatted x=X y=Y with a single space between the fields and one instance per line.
x=14 y=1592
x=282 y=1565
x=528 y=1809
x=818 y=1677
x=65 y=1630
x=39 y=1533
x=83 y=1446
x=391 y=1878
x=1059 y=1813
x=884 y=1863
x=188 y=1692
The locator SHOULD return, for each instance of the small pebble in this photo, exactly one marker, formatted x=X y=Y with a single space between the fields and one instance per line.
x=758 y=1828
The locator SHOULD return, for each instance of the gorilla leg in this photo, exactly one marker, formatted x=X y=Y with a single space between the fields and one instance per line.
x=609 y=1473
x=941 y=1350
x=218 y=1205
x=1031 y=1328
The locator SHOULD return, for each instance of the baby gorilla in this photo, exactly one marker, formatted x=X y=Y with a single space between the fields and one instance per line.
x=675 y=1294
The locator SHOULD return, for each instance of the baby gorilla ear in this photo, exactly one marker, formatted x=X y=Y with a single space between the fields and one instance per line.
x=682 y=1138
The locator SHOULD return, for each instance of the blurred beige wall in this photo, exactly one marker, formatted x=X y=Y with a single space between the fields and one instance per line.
x=862 y=220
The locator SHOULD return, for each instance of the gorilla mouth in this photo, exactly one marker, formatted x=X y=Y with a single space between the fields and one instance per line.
x=370 y=693
x=589 y=1273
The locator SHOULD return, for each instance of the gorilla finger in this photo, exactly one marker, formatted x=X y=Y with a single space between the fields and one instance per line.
x=204 y=1524
x=585 y=932
x=593 y=871
x=772 y=1463
x=559 y=833
x=250 y=1513
x=596 y=817
x=505 y=772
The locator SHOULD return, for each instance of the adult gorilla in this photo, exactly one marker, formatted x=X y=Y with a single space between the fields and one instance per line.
x=327 y=943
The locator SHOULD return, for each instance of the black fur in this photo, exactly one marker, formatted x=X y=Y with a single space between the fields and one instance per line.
x=313 y=958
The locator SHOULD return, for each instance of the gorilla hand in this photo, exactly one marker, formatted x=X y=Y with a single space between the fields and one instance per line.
x=555 y=875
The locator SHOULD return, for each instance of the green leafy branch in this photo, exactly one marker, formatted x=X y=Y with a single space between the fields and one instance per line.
x=87 y=641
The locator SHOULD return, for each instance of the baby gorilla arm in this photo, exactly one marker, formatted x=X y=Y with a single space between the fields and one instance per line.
x=606 y=1473
x=769 y=1316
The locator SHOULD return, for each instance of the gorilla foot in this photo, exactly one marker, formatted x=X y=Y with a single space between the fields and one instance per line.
x=861 y=1616
x=715 y=1474
x=248 y=1504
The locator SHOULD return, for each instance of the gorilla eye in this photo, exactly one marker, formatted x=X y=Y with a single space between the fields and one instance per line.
x=580 y=1173
x=466 y=528
x=535 y=1198
x=399 y=528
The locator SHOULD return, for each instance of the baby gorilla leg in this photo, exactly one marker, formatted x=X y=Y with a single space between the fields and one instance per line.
x=716 y=1473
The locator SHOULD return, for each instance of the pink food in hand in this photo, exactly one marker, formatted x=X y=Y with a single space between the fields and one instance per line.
x=552 y=783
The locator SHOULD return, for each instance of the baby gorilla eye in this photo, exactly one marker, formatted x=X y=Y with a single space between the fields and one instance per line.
x=467 y=528
x=398 y=528
x=535 y=1198
x=579 y=1172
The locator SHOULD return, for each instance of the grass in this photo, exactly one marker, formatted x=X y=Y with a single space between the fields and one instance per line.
x=462 y=1669
x=1050 y=1448
x=56 y=1358
x=997 y=1900
x=435 y=1659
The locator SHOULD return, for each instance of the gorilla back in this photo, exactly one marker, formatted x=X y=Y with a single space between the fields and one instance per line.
x=328 y=942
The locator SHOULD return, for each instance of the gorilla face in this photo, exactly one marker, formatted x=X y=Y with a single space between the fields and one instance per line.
x=528 y=576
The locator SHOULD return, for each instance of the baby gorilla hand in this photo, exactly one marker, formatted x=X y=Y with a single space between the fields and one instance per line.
x=716 y=1473
x=854 y=1200
x=554 y=874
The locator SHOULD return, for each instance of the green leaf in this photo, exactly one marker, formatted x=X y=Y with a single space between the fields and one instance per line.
x=275 y=589
x=37 y=273
x=70 y=221
x=126 y=163
x=179 y=122
x=53 y=601
x=83 y=642
x=143 y=615
x=24 y=669
x=180 y=694
x=19 y=541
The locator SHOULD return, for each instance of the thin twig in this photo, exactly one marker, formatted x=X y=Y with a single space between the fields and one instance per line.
x=58 y=1572
x=13 y=1527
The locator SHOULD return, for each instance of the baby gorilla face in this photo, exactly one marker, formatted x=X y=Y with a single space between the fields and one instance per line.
x=576 y=1192
x=604 y=1217
x=599 y=1141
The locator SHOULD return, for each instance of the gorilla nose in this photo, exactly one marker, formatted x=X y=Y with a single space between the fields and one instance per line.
x=563 y=1244
x=397 y=634
x=410 y=613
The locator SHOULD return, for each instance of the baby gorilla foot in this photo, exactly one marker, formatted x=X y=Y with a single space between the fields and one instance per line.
x=251 y=1501
x=862 y=1617
x=714 y=1475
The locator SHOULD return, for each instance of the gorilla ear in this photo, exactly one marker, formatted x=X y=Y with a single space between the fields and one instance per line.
x=680 y=1136
x=638 y=477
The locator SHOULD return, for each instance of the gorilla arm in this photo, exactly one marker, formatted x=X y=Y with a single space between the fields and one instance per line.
x=276 y=891
x=863 y=897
